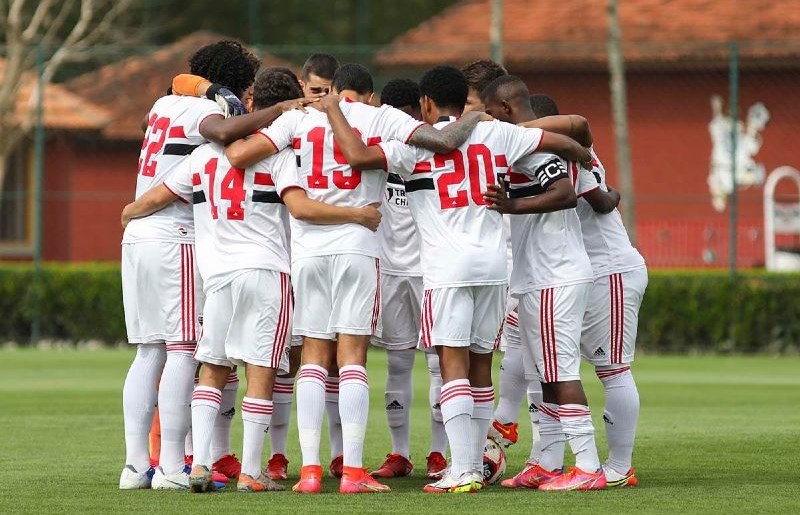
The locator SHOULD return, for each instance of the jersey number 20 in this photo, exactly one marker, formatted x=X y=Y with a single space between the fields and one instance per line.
x=476 y=154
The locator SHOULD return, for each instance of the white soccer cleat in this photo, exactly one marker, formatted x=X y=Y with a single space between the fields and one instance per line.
x=177 y=481
x=468 y=482
x=132 y=480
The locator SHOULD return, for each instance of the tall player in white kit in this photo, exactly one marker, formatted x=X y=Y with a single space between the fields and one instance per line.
x=335 y=270
x=552 y=278
x=463 y=255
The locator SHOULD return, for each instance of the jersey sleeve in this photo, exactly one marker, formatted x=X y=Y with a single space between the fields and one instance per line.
x=205 y=108
x=519 y=141
x=284 y=171
x=550 y=169
x=401 y=159
x=395 y=124
x=180 y=182
x=584 y=180
x=283 y=129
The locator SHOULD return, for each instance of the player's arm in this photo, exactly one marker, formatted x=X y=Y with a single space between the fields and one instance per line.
x=308 y=210
x=359 y=155
x=153 y=200
x=602 y=202
x=449 y=138
x=248 y=151
x=559 y=195
x=572 y=125
x=565 y=147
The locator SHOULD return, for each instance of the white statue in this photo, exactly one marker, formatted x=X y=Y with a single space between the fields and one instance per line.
x=748 y=143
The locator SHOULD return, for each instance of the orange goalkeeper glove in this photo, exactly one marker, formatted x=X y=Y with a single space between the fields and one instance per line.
x=189 y=85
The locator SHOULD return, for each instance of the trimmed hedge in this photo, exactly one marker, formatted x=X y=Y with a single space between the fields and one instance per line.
x=705 y=311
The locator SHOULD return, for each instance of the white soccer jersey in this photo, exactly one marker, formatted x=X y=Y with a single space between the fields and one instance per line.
x=604 y=236
x=173 y=131
x=241 y=222
x=327 y=177
x=397 y=232
x=548 y=247
x=462 y=241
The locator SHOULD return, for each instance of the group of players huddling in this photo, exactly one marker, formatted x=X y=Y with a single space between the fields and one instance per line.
x=282 y=226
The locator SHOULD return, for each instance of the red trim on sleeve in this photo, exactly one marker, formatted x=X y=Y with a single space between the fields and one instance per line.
x=500 y=160
x=413 y=131
x=423 y=167
x=263 y=179
x=374 y=140
x=385 y=161
x=270 y=140
x=176 y=195
x=589 y=191
x=295 y=143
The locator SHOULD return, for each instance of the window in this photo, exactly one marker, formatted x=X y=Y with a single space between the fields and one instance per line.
x=16 y=203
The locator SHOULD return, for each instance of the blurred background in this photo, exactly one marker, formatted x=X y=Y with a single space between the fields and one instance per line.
x=693 y=106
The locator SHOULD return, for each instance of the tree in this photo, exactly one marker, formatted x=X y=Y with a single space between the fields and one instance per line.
x=40 y=37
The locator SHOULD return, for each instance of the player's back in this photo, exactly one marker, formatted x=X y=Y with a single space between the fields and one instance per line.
x=173 y=132
x=604 y=235
x=400 y=254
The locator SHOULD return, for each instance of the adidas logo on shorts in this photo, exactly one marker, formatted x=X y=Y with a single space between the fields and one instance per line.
x=532 y=408
x=599 y=353
x=229 y=414
x=394 y=405
x=437 y=406
x=607 y=420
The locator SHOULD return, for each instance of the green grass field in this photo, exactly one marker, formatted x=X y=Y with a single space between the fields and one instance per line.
x=716 y=434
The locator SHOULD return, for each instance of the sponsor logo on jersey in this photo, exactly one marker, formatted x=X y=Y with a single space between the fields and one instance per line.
x=394 y=405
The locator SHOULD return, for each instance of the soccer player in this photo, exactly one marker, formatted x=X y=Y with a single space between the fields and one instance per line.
x=552 y=278
x=335 y=270
x=479 y=74
x=401 y=297
x=463 y=253
x=318 y=72
x=243 y=252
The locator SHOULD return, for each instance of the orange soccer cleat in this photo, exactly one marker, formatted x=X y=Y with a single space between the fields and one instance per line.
x=577 y=479
x=613 y=479
x=335 y=469
x=532 y=476
x=356 y=481
x=396 y=465
x=257 y=484
x=277 y=467
x=310 y=480
x=437 y=464
x=504 y=434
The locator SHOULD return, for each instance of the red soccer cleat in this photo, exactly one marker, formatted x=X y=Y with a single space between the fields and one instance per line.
x=532 y=476
x=396 y=465
x=277 y=467
x=436 y=465
x=504 y=434
x=310 y=480
x=226 y=468
x=577 y=479
x=357 y=481
x=614 y=480
x=336 y=466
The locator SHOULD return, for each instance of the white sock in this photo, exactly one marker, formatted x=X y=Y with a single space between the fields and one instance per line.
x=576 y=422
x=282 y=394
x=534 y=401
x=512 y=386
x=552 y=437
x=621 y=415
x=483 y=403
x=353 y=410
x=221 y=439
x=398 y=398
x=310 y=407
x=438 y=433
x=334 y=420
x=256 y=415
x=174 y=404
x=205 y=406
x=457 y=408
x=139 y=398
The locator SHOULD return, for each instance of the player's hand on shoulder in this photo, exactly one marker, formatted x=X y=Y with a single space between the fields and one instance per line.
x=485 y=117
x=497 y=199
x=296 y=103
x=370 y=217
x=328 y=101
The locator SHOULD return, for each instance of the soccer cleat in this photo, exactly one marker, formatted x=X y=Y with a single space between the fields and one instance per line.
x=176 y=481
x=277 y=467
x=468 y=482
x=336 y=466
x=504 y=434
x=260 y=484
x=226 y=468
x=132 y=480
x=357 y=481
x=577 y=479
x=310 y=480
x=200 y=480
x=613 y=479
x=532 y=476
x=396 y=465
x=436 y=465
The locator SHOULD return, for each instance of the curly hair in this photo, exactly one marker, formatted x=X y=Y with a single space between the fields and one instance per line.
x=481 y=72
x=446 y=86
x=227 y=63
x=401 y=93
x=272 y=87
x=287 y=71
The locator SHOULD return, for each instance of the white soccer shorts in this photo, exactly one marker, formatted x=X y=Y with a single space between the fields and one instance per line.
x=612 y=318
x=463 y=316
x=248 y=321
x=550 y=326
x=337 y=294
x=401 y=297
x=510 y=334
x=159 y=286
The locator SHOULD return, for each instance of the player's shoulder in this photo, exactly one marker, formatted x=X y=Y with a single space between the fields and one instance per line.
x=206 y=151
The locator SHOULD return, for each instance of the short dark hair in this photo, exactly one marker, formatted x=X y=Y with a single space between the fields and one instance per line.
x=481 y=72
x=227 y=63
x=446 y=86
x=353 y=76
x=543 y=105
x=321 y=65
x=287 y=71
x=272 y=87
x=508 y=88
x=401 y=93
